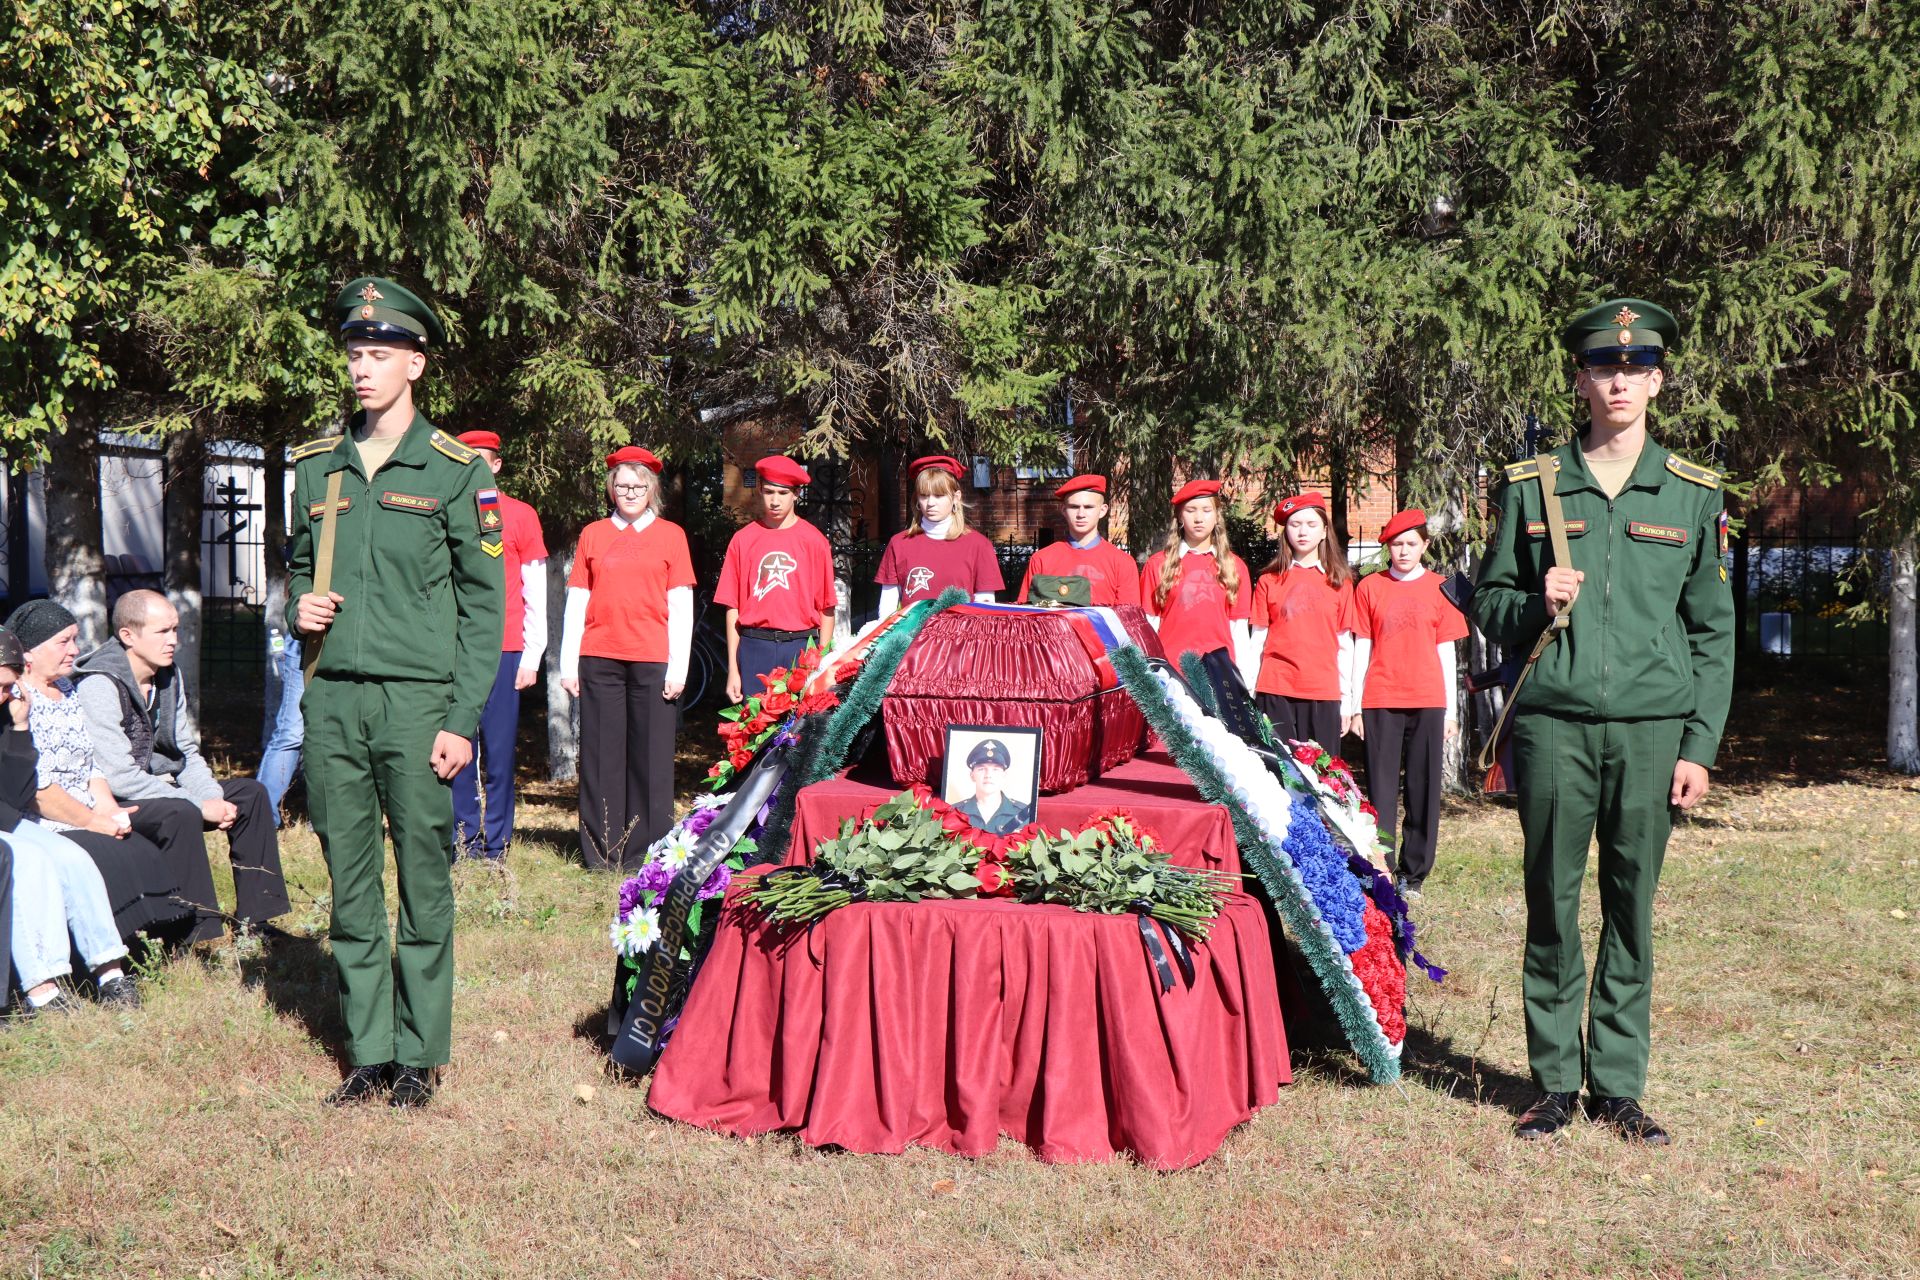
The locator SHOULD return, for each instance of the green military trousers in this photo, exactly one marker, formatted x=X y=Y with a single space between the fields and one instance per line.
x=369 y=747
x=1578 y=778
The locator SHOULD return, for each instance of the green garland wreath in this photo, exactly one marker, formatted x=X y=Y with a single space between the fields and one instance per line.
x=1329 y=966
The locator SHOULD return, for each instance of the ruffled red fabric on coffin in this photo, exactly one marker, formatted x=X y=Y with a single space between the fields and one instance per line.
x=946 y=1024
x=1017 y=669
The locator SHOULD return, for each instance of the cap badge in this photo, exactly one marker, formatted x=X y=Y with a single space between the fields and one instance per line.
x=1626 y=317
x=366 y=313
x=370 y=294
x=1063 y=589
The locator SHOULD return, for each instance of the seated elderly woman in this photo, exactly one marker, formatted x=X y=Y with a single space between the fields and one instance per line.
x=144 y=881
x=59 y=902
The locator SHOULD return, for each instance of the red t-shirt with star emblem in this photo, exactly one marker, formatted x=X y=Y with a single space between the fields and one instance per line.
x=1194 y=619
x=923 y=567
x=1112 y=576
x=1303 y=614
x=781 y=579
x=1407 y=622
x=521 y=543
x=629 y=571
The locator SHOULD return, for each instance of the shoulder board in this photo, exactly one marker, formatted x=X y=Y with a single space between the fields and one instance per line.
x=1528 y=468
x=312 y=448
x=1692 y=471
x=452 y=448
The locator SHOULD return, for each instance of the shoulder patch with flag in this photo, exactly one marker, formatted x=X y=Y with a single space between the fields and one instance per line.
x=488 y=501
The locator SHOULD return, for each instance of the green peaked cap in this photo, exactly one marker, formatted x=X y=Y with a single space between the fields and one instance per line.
x=1621 y=331
x=372 y=307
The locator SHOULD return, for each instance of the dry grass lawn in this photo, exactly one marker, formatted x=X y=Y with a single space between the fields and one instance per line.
x=188 y=1139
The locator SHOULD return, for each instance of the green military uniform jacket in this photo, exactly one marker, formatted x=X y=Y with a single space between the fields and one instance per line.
x=416 y=558
x=1651 y=636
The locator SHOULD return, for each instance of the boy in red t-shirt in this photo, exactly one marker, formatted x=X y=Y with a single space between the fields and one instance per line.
x=483 y=824
x=1406 y=676
x=1111 y=574
x=776 y=583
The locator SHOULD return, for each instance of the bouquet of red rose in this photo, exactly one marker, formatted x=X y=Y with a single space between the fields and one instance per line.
x=757 y=721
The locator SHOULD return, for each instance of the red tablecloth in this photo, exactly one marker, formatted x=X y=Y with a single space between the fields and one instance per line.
x=1151 y=787
x=946 y=1024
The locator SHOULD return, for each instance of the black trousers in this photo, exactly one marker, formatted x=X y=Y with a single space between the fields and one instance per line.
x=627 y=735
x=6 y=920
x=758 y=657
x=1303 y=719
x=178 y=830
x=1413 y=738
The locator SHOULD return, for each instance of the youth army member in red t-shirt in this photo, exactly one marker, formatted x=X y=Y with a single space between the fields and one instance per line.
x=483 y=825
x=624 y=647
x=1111 y=574
x=1196 y=590
x=776 y=583
x=939 y=551
x=1404 y=669
x=1302 y=625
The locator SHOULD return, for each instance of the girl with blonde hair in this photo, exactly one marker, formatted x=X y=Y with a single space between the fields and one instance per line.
x=1196 y=590
x=939 y=551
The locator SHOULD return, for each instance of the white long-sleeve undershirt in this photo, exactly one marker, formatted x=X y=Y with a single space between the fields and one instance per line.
x=533 y=599
x=1449 y=675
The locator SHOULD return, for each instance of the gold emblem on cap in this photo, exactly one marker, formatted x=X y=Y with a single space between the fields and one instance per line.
x=366 y=313
x=370 y=294
x=1062 y=588
x=1626 y=316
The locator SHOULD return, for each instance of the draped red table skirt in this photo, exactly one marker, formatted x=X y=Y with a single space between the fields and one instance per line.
x=947 y=1024
x=1150 y=787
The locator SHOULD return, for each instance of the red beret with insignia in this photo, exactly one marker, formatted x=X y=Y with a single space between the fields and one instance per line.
x=1195 y=489
x=480 y=440
x=1298 y=502
x=1411 y=518
x=936 y=462
x=1082 y=484
x=782 y=471
x=634 y=455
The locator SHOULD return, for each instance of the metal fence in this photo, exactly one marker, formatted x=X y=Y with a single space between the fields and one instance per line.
x=1809 y=580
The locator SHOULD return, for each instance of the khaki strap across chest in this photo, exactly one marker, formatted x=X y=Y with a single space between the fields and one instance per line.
x=323 y=560
x=1562 y=558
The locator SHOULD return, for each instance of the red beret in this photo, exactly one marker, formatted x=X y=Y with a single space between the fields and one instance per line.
x=1298 y=502
x=1411 y=518
x=782 y=471
x=480 y=440
x=936 y=462
x=1079 y=484
x=633 y=454
x=1195 y=489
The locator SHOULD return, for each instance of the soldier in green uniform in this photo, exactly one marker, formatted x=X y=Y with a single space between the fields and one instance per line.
x=1621 y=717
x=396 y=582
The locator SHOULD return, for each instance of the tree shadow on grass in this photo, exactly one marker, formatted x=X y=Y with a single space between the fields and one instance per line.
x=297 y=974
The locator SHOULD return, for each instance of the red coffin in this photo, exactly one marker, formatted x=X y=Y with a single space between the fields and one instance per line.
x=1016 y=669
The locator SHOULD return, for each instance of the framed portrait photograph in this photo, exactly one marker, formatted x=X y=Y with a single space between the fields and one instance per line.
x=991 y=774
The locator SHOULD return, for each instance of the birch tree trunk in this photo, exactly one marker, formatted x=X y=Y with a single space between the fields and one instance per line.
x=563 y=713
x=1903 y=701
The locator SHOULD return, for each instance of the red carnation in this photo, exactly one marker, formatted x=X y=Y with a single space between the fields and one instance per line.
x=814 y=703
x=778 y=703
x=1369 y=810
x=1306 y=753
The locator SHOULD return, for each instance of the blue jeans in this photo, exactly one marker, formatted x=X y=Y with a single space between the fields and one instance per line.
x=285 y=730
x=57 y=895
x=487 y=781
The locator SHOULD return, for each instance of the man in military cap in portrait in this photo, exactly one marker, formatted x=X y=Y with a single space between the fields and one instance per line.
x=1606 y=563
x=398 y=595
x=989 y=808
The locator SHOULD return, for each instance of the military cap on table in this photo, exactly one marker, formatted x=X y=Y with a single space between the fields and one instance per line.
x=383 y=311
x=1298 y=502
x=1195 y=489
x=1411 y=518
x=1621 y=331
x=632 y=455
x=1082 y=484
x=782 y=471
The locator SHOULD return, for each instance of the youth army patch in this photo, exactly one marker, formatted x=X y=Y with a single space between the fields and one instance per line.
x=487 y=501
